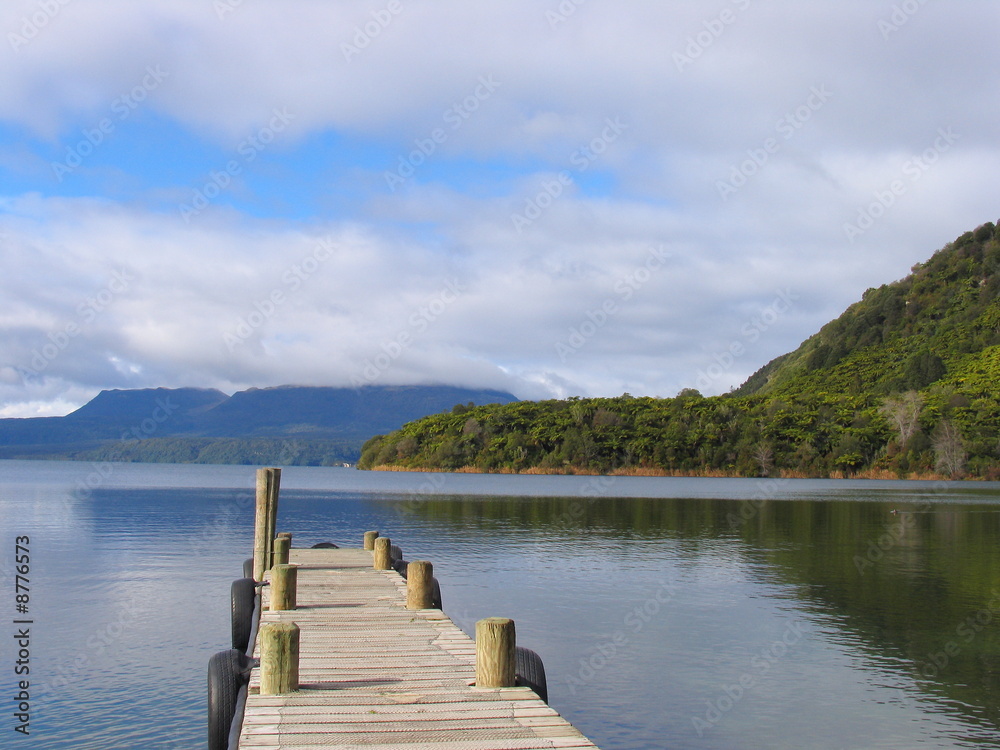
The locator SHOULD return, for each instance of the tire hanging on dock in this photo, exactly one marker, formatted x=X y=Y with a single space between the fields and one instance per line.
x=228 y=672
x=242 y=595
x=436 y=594
x=530 y=671
x=248 y=568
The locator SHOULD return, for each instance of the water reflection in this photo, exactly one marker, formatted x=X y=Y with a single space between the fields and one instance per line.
x=911 y=596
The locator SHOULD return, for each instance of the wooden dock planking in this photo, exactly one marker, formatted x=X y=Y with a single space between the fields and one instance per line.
x=374 y=675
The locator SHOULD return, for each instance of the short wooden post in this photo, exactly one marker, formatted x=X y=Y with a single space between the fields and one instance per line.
x=419 y=585
x=286 y=534
x=279 y=658
x=495 y=653
x=284 y=582
x=282 y=545
x=370 y=537
x=272 y=510
x=261 y=557
x=383 y=553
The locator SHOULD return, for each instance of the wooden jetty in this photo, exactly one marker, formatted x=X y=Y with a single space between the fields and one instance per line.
x=377 y=675
x=352 y=654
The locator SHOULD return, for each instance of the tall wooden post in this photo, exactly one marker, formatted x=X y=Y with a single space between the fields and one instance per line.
x=383 y=553
x=284 y=582
x=265 y=520
x=261 y=556
x=419 y=585
x=495 y=653
x=272 y=512
x=279 y=658
x=370 y=537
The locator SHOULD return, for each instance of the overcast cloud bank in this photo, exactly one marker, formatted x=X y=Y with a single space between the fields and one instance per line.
x=558 y=198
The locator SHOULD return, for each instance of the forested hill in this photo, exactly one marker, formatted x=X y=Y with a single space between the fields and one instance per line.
x=905 y=383
x=940 y=320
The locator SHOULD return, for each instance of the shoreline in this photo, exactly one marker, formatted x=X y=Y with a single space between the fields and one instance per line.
x=876 y=474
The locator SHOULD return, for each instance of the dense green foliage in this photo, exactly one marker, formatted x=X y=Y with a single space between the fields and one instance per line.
x=251 y=452
x=904 y=382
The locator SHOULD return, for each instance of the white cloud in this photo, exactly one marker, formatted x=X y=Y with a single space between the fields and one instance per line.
x=189 y=288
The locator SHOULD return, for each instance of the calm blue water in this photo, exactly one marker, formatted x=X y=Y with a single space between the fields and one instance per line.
x=670 y=613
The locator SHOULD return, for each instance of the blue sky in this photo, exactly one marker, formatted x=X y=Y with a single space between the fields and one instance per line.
x=566 y=197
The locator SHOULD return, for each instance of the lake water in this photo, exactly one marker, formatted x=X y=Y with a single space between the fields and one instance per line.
x=670 y=613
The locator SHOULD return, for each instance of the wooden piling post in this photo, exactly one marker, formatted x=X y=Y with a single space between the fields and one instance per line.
x=370 y=537
x=284 y=582
x=419 y=585
x=282 y=545
x=265 y=520
x=272 y=511
x=495 y=653
x=383 y=553
x=261 y=556
x=279 y=658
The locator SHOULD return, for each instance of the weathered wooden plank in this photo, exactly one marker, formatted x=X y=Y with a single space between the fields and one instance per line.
x=401 y=741
x=412 y=726
x=321 y=742
x=367 y=712
x=519 y=697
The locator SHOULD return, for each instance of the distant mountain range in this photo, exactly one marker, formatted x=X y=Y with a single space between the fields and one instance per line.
x=287 y=424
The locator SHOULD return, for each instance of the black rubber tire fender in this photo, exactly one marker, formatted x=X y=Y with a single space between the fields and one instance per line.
x=436 y=594
x=248 y=568
x=242 y=594
x=228 y=672
x=400 y=566
x=530 y=671
x=325 y=545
